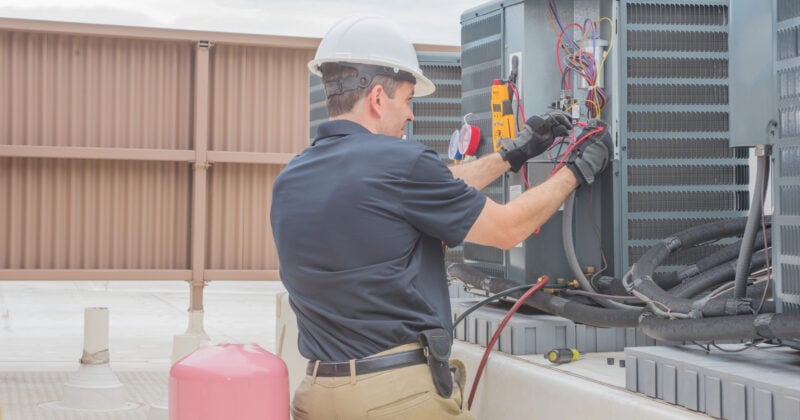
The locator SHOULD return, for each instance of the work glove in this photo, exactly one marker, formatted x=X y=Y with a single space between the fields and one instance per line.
x=591 y=156
x=538 y=135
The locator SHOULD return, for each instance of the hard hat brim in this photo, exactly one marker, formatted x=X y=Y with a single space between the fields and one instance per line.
x=423 y=87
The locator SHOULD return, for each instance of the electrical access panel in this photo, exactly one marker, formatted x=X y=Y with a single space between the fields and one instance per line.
x=519 y=40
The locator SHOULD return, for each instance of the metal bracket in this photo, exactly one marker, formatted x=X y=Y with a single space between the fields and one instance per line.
x=203 y=44
x=763 y=150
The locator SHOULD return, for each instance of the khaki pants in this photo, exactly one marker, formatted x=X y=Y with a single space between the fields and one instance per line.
x=404 y=393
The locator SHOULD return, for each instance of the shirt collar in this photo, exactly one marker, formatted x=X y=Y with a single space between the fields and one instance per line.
x=339 y=128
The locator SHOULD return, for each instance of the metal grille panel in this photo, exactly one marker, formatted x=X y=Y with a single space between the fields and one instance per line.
x=788 y=44
x=441 y=111
x=678 y=94
x=657 y=229
x=675 y=14
x=790 y=200
x=789 y=83
x=791 y=307
x=318 y=112
x=786 y=245
x=484 y=27
x=680 y=68
x=679 y=258
x=788 y=9
x=688 y=175
x=789 y=159
x=705 y=201
x=486 y=254
x=789 y=121
x=678 y=121
x=694 y=148
x=481 y=60
x=790 y=280
x=678 y=41
x=790 y=243
x=433 y=128
x=492 y=270
x=435 y=109
x=478 y=77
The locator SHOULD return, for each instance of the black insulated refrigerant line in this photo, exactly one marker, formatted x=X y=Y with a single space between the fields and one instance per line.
x=739 y=327
x=753 y=221
x=639 y=281
x=578 y=312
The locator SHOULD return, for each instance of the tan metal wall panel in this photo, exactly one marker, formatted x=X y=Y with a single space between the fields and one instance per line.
x=66 y=90
x=239 y=232
x=74 y=202
x=259 y=99
x=93 y=214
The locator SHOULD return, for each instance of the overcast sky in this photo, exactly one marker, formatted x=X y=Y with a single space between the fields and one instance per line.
x=428 y=21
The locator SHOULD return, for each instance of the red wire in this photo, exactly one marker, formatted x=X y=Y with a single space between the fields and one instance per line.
x=519 y=103
x=522 y=114
x=525 y=178
x=572 y=147
x=542 y=282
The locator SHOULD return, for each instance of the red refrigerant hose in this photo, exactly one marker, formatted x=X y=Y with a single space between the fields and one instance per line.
x=542 y=282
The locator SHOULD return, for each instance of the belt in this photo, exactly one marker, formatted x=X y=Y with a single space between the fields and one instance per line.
x=369 y=364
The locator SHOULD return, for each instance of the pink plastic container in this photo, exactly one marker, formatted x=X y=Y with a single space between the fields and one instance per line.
x=227 y=382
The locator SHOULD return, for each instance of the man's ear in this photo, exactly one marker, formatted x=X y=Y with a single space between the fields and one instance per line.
x=375 y=100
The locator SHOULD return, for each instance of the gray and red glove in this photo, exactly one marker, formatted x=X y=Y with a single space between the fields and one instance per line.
x=591 y=156
x=538 y=135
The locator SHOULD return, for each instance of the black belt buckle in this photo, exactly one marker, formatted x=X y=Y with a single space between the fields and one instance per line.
x=437 y=343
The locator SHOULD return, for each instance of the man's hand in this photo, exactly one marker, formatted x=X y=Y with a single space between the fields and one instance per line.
x=539 y=134
x=591 y=156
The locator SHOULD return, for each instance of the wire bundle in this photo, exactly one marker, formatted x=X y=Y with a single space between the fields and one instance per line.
x=577 y=60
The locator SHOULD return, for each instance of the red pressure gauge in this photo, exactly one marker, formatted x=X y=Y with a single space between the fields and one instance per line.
x=470 y=138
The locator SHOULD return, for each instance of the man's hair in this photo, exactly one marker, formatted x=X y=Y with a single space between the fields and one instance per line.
x=344 y=102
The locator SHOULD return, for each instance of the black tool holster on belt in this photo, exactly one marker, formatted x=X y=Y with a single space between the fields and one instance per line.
x=437 y=343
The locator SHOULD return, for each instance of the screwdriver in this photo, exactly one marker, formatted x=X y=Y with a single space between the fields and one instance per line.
x=562 y=355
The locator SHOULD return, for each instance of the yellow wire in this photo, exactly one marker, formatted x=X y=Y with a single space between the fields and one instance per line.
x=594 y=105
x=610 y=43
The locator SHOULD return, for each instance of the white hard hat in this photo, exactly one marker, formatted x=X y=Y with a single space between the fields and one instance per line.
x=370 y=40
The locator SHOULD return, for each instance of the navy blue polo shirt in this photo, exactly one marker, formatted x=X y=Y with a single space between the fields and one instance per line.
x=359 y=220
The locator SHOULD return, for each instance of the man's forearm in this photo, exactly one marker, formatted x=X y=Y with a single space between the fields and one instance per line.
x=481 y=172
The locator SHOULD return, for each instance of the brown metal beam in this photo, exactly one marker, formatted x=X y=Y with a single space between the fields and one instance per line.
x=247 y=275
x=62 y=152
x=118 y=31
x=110 y=274
x=250 y=157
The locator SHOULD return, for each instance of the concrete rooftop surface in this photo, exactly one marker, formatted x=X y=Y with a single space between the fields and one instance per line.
x=41 y=337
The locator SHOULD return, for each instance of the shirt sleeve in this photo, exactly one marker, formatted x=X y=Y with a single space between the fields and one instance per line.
x=438 y=204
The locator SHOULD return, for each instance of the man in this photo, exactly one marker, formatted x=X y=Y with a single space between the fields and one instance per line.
x=359 y=220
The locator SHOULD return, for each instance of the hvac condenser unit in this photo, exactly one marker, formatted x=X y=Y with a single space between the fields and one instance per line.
x=666 y=81
x=786 y=174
